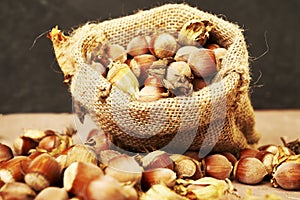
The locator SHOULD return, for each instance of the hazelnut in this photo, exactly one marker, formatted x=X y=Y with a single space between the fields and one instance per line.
x=248 y=152
x=158 y=69
x=203 y=62
x=17 y=191
x=107 y=188
x=186 y=167
x=22 y=145
x=266 y=158
x=81 y=153
x=178 y=69
x=140 y=65
x=178 y=79
x=13 y=169
x=151 y=93
x=78 y=175
x=115 y=52
x=287 y=176
x=106 y=155
x=158 y=176
x=184 y=52
x=217 y=166
x=163 y=45
x=137 y=46
x=153 y=81
x=50 y=192
x=49 y=143
x=157 y=159
x=34 y=134
x=124 y=169
x=194 y=32
x=122 y=77
x=249 y=170
x=42 y=172
x=5 y=153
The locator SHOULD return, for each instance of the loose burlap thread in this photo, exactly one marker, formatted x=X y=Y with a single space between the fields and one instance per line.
x=219 y=117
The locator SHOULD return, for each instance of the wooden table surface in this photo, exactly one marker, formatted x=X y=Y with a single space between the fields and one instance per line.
x=272 y=124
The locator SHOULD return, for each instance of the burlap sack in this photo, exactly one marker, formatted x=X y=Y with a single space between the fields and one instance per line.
x=220 y=116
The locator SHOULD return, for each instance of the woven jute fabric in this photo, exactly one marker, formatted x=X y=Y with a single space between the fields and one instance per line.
x=220 y=116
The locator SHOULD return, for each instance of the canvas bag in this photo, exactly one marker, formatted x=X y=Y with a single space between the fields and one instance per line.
x=217 y=118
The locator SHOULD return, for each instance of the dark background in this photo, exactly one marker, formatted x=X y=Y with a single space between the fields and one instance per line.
x=31 y=80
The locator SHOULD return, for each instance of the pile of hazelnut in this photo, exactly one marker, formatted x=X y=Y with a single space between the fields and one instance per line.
x=46 y=164
x=161 y=65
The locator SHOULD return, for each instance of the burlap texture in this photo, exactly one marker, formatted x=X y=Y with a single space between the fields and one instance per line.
x=220 y=116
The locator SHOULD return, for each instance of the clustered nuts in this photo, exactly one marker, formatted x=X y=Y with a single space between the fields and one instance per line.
x=286 y=168
x=150 y=67
x=276 y=163
x=43 y=141
x=183 y=63
x=94 y=170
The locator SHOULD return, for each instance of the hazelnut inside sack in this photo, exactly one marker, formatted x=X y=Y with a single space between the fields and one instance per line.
x=216 y=117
